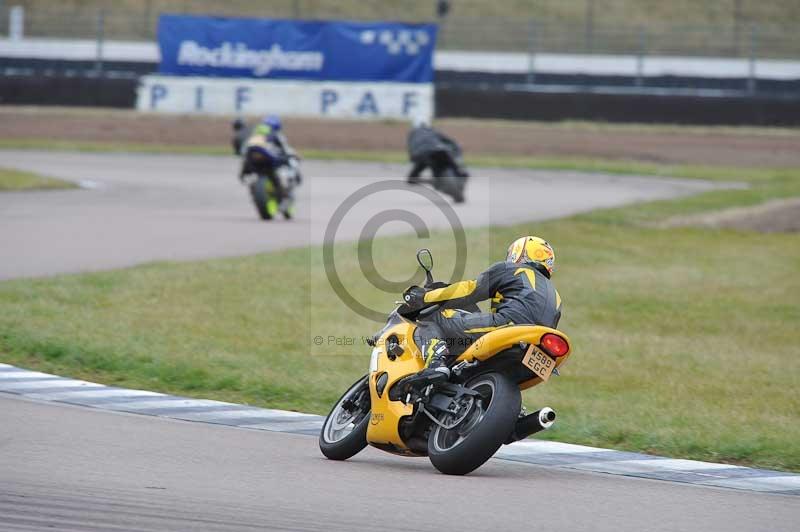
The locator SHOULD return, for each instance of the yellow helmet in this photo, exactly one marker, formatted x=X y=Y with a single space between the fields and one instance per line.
x=532 y=249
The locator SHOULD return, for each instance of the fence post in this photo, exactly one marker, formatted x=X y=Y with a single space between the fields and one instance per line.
x=751 y=67
x=589 y=29
x=640 y=57
x=16 y=23
x=737 y=26
x=99 y=38
x=531 y=78
x=442 y=10
x=147 y=29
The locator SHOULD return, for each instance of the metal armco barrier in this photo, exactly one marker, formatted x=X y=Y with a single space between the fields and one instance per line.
x=722 y=109
x=68 y=91
x=458 y=102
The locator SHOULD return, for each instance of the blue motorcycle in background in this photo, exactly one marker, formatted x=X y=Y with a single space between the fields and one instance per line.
x=270 y=169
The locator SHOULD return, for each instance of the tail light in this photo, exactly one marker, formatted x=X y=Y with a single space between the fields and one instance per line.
x=554 y=345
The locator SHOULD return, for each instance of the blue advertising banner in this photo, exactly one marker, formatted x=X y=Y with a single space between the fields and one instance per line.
x=291 y=49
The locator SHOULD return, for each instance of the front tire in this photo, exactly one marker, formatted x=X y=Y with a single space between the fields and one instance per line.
x=344 y=433
x=480 y=434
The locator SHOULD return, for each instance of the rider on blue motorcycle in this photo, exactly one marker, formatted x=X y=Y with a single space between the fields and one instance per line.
x=274 y=122
x=267 y=154
x=264 y=146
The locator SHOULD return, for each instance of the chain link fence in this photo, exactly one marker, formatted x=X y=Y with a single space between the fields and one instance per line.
x=728 y=28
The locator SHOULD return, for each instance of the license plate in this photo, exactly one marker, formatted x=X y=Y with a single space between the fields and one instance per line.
x=538 y=362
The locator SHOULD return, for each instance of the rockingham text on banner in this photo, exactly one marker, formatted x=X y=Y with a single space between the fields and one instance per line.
x=296 y=49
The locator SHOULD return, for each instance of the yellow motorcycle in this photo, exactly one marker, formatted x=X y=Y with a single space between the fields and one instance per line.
x=458 y=424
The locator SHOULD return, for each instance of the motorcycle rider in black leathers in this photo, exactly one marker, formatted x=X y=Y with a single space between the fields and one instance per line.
x=423 y=141
x=521 y=293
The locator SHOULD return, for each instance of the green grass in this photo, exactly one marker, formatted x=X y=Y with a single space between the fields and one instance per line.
x=19 y=180
x=685 y=339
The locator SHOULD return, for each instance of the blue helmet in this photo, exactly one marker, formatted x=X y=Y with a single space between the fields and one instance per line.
x=274 y=122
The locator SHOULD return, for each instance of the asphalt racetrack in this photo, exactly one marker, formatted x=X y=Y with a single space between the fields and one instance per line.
x=70 y=468
x=142 y=208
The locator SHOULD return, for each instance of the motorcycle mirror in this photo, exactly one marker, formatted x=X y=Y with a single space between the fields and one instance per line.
x=425 y=259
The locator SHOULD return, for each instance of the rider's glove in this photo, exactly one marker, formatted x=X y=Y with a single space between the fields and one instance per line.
x=414 y=297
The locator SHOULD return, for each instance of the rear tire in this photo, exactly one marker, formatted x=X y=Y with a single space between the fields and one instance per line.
x=335 y=442
x=472 y=442
x=266 y=204
x=452 y=185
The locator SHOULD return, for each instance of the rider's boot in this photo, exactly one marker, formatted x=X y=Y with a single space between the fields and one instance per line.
x=413 y=177
x=435 y=369
x=436 y=356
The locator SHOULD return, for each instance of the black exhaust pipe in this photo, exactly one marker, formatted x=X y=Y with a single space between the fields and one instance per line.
x=532 y=423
